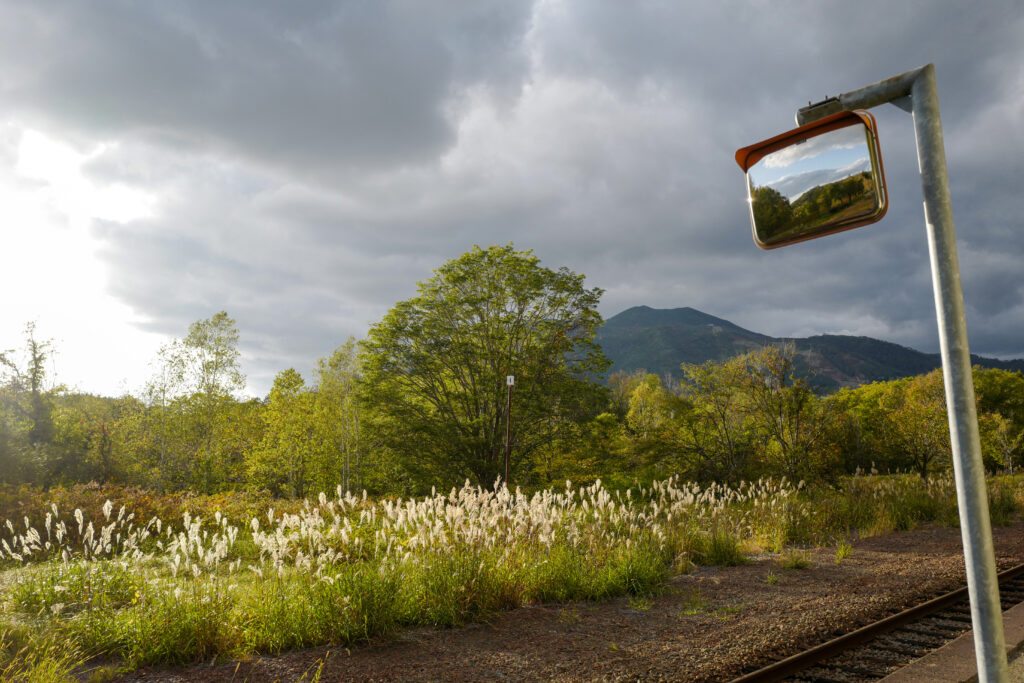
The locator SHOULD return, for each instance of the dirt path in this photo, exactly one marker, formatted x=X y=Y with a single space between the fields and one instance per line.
x=706 y=626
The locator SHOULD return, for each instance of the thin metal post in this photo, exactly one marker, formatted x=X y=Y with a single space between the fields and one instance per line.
x=972 y=495
x=508 y=434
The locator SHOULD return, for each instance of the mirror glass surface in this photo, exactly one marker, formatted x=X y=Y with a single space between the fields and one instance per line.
x=815 y=186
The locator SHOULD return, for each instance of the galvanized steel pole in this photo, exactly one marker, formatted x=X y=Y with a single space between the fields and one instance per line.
x=508 y=435
x=975 y=527
x=972 y=497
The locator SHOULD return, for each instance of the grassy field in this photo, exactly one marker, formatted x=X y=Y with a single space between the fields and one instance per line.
x=99 y=582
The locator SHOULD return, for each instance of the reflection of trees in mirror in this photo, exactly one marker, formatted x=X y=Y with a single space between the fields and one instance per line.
x=772 y=211
x=777 y=218
x=835 y=201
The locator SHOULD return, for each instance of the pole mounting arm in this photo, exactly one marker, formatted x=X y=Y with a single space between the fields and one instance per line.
x=895 y=90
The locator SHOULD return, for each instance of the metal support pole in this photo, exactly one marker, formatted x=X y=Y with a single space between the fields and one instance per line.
x=971 y=493
x=972 y=496
x=508 y=434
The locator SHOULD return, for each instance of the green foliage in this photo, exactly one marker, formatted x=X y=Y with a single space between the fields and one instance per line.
x=1001 y=392
x=790 y=423
x=435 y=366
x=843 y=550
x=37 y=658
x=716 y=433
x=919 y=421
x=423 y=403
x=338 y=411
x=284 y=461
x=70 y=588
x=1001 y=440
x=750 y=415
x=1003 y=503
x=172 y=627
x=773 y=213
x=203 y=373
x=27 y=414
x=719 y=547
x=351 y=604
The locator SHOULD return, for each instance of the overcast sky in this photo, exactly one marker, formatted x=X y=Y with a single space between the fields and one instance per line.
x=302 y=165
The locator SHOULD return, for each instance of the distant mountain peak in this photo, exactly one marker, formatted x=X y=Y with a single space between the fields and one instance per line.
x=645 y=316
x=658 y=340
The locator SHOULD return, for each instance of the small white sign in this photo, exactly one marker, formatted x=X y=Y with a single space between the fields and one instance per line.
x=510 y=380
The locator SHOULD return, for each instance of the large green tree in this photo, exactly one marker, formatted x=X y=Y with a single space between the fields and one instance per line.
x=435 y=366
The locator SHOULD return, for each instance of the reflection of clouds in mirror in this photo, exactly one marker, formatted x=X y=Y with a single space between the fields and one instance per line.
x=795 y=184
x=844 y=138
x=833 y=153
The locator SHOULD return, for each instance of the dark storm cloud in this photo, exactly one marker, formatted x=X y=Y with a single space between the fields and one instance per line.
x=312 y=161
x=752 y=67
x=311 y=85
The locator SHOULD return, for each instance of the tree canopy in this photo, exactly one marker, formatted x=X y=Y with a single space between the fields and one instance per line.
x=435 y=366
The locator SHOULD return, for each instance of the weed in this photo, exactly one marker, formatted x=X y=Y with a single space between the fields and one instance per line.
x=843 y=550
x=320 y=662
x=772 y=578
x=796 y=559
x=1002 y=503
x=37 y=659
x=719 y=548
x=641 y=603
x=569 y=616
x=693 y=603
x=727 y=611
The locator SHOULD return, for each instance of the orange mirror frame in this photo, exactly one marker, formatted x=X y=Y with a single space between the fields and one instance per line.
x=815 y=180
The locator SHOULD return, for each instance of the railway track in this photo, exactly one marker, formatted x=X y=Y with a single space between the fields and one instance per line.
x=877 y=650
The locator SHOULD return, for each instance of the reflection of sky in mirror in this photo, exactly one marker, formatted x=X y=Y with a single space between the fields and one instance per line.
x=792 y=186
x=832 y=151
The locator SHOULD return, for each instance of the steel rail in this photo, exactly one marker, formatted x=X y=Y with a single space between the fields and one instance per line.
x=793 y=665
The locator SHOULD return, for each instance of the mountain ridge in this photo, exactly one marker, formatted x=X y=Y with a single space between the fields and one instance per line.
x=659 y=340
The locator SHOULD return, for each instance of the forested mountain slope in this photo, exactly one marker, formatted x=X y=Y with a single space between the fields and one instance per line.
x=658 y=340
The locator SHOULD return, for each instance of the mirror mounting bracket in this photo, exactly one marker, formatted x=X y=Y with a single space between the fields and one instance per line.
x=827 y=107
x=871 y=95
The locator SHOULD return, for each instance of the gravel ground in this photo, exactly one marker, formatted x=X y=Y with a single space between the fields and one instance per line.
x=706 y=626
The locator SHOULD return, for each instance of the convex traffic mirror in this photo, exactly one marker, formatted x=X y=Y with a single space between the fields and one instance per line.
x=815 y=180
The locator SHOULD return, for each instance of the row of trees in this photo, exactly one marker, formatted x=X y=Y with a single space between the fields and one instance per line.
x=422 y=402
x=187 y=428
x=750 y=416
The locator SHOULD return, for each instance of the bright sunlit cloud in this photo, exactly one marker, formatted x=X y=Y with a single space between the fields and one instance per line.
x=844 y=138
x=59 y=167
x=52 y=275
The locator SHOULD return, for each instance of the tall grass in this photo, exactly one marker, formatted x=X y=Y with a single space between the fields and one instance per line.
x=346 y=570
x=37 y=658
